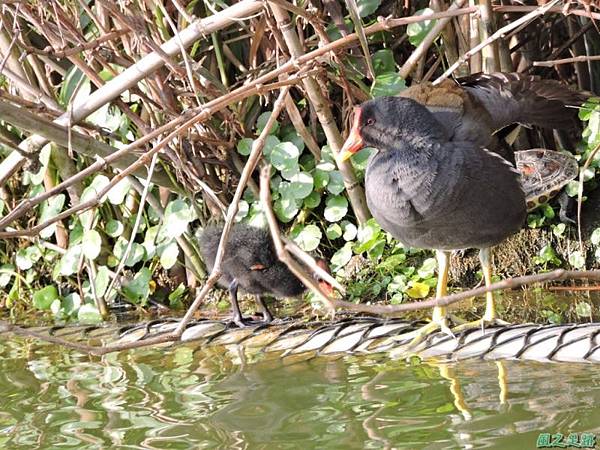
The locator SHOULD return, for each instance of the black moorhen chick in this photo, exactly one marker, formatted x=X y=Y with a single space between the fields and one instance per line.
x=251 y=264
x=432 y=192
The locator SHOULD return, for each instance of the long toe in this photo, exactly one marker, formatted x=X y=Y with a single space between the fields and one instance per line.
x=480 y=324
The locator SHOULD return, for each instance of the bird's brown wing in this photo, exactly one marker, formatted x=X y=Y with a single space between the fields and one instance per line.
x=527 y=99
x=462 y=115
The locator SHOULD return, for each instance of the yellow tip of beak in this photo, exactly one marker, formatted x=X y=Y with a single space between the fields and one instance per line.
x=345 y=155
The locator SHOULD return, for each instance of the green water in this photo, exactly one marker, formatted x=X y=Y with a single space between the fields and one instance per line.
x=51 y=398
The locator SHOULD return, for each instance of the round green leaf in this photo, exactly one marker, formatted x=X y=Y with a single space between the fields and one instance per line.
x=336 y=208
x=88 y=313
x=177 y=217
x=313 y=200
x=321 y=178
x=285 y=156
x=244 y=146
x=350 y=230
x=341 y=257
x=91 y=244
x=27 y=257
x=69 y=263
x=333 y=231
x=270 y=143
x=301 y=185
x=576 y=259
x=169 y=254
x=43 y=298
x=308 y=238
x=583 y=309
x=138 y=290
x=367 y=7
x=286 y=209
x=261 y=122
x=101 y=281
x=114 y=228
x=117 y=193
x=595 y=236
x=336 y=182
x=390 y=83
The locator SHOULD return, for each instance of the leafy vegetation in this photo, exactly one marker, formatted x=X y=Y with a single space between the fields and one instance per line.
x=145 y=239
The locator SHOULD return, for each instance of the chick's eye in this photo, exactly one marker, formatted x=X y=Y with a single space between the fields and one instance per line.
x=370 y=121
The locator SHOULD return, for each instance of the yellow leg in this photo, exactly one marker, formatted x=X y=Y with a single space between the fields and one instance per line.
x=439 y=316
x=489 y=317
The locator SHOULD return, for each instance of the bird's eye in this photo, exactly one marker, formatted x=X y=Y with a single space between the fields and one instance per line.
x=370 y=121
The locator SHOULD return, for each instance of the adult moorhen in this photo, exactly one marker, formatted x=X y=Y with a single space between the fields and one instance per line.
x=251 y=263
x=432 y=191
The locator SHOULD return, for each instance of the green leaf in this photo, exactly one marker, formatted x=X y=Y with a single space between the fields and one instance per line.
x=418 y=30
x=176 y=296
x=417 y=290
x=138 y=290
x=576 y=259
x=350 y=230
x=383 y=61
x=270 y=143
x=286 y=209
x=91 y=244
x=427 y=270
x=295 y=139
x=333 y=231
x=308 y=238
x=596 y=236
x=320 y=178
x=301 y=185
x=27 y=257
x=261 y=122
x=177 y=217
x=244 y=146
x=313 y=200
x=285 y=156
x=135 y=255
x=69 y=263
x=336 y=208
x=559 y=229
x=398 y=283
x=114 y=228
x=360 y=159
x=367 y=7
x=88 y=313
x=71 y=303
x=6 y=273
x=390 y=84
x=117 y=194
x=391 y=262
x=43 y=298
x=101 y=281
x=336 y=182
x=583 y=309
x=169 y=254
x=49 y=210
x=341 y=257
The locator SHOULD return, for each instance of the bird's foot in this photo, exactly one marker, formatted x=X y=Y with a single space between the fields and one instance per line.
x=426 y=330
x=480 y=323
x=243 y=322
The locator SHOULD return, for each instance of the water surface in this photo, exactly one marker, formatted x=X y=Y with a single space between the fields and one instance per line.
x=179 y=398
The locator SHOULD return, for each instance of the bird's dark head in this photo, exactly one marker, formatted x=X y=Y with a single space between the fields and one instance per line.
x=383 y=121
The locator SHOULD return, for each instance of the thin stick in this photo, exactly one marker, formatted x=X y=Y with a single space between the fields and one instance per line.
x=284 y=256
x=576 y=59
x=253 y=158
x=497 y=35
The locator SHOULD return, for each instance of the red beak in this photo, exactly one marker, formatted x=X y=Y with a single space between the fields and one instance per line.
x=354 y=142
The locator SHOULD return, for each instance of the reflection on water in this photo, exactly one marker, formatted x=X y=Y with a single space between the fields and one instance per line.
x=184 y=398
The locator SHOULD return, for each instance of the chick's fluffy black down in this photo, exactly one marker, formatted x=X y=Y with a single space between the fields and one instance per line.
x=251 y=259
